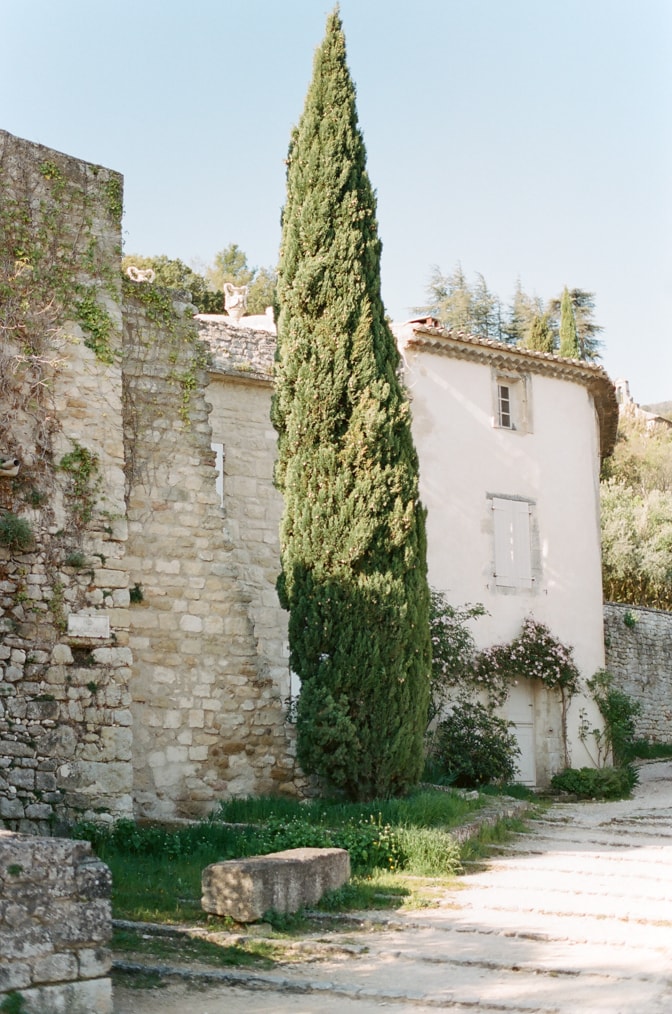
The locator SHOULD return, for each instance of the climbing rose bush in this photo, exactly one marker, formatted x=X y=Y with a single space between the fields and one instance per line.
x=534 y=654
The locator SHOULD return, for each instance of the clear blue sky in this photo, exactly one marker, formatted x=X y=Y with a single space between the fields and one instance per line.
x=525 y=139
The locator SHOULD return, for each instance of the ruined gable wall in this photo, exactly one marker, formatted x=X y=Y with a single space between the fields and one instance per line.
x=208 y=712
x=65 y=740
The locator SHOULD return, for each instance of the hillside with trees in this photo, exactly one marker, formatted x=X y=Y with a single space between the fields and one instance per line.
x=636 y=507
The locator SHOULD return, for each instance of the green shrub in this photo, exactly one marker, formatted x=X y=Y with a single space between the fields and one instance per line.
x=645 y=750
x=619 y=712
x=596 y=783
x=15 y=532
x=473 y=746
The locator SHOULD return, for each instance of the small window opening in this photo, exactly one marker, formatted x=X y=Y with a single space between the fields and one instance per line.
x=504 y=406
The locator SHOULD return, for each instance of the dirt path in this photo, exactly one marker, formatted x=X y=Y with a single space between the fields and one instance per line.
x=575 y=918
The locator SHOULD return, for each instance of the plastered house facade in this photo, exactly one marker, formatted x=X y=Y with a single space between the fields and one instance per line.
x=510 y=444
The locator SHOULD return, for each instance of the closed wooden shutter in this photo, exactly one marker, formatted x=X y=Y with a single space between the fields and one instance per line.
x=513 y=556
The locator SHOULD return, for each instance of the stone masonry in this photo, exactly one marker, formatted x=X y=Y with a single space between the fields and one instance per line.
x=65 y=740
x=143 y=662
x=208 y=711
x=637 y=649
x=55 y=924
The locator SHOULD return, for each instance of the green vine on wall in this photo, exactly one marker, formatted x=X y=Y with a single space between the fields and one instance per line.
x=159 y=308
x=98 y=325
x=81 y=467
x=114 y=198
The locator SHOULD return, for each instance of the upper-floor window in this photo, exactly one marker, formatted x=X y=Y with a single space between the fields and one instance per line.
x=504 y=406
x=512 y=408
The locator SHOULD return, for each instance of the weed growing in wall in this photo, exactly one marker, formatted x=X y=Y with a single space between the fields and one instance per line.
x=81 y=467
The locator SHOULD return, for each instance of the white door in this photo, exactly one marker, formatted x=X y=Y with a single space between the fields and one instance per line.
x=520 y=710
x=526 y=768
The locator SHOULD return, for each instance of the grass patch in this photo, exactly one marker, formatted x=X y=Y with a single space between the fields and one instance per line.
x=425 y=808
x=156 y=871
x=643 y=750
x=485 y=843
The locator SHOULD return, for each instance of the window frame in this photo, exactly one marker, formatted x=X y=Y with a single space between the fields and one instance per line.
x=518 y=417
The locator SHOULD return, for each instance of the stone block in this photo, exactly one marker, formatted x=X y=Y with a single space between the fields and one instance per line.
x=284 y=881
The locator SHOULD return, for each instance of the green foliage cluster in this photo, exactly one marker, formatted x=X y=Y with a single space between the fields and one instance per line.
x=596 y=783
x=13 y=1003
x=453 y=648
x=473 y=747
x=411 y=834
x=229 y=265
x=353 y=533
x=569 y=339
x=174 y=274
x=636 y=517
x=645 y=750
x=619 y=712
x=527 y=322
x=98 y=326
x=15 y=532
x=184 y=347
x=534 y=654
x=81 y=466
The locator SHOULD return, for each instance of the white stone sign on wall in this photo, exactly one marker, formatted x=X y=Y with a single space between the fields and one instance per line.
x=83 y=625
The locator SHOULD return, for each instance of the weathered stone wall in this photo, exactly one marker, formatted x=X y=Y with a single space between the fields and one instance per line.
x=55 y=923
x=240 y=394
x=208 y=713
x=638 y=645
x=64 y=659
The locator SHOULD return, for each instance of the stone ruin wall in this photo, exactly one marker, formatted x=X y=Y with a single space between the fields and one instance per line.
x=208 y=711
x=65 y=738
x=55 y=924
x=87 y=730
x=638 y=654
x=241 y=385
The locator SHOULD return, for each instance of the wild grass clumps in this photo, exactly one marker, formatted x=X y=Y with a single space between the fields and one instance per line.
x=156 y=870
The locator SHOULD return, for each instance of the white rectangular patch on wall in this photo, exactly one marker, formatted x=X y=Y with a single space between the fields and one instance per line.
x=513 y=557
x=219 y=465
x=88 y=626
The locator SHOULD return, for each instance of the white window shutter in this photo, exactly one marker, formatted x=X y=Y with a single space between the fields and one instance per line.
x=513 y=557
x=522 y=555
x=504 y=572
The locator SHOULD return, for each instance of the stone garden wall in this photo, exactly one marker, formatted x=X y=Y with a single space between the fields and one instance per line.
x=638 y=649
x=55 y=923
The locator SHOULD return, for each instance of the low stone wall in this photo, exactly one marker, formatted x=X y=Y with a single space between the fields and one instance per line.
x=55 y=923
x=638 y=645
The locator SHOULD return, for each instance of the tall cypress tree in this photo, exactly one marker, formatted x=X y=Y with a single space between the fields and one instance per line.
x=569 y=341
x=353 y=532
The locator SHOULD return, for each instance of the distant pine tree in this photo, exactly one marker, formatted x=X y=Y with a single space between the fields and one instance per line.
x=353 y=532
x=569 y=341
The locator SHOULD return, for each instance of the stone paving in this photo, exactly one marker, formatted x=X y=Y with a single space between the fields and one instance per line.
x=574 y=918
